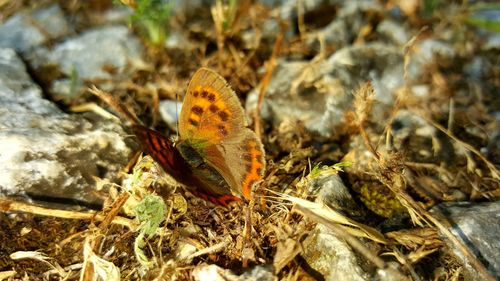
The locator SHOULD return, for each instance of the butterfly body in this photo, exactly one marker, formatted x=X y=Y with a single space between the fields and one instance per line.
x=216 y=156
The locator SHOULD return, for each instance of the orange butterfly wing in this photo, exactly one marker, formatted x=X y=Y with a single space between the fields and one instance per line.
x=212 y=122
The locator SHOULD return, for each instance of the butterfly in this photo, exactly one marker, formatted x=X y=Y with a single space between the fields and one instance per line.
x=216 y=156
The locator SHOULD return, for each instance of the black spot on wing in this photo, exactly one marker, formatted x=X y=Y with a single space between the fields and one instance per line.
x=223 y=115
x=198 y=110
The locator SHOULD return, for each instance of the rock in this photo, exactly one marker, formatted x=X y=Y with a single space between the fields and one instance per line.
x=428 y=51
x=87 y=57
x=488 y=16
x=321 y=110
x=344 y=27
x=492 y=42
x=331 y=257
x=26 y=30
x=170 y=111
x=319 y=93
x=478 y=68
x=381 y=64
x=45 y=152
x=477 y=226
x=213 y=272
x=394 y=31
x=420 y=141
x=118 y=15
x=335 y=36
x=331 y=191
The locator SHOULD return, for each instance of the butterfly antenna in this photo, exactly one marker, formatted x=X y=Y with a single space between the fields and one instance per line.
x=116 y=105
x=177 y=115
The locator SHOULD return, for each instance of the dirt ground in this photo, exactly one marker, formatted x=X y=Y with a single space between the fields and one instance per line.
x=391 y=187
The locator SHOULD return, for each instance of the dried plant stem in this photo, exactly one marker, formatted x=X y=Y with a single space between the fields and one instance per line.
x=113 y=212
x=390 y=174
x=409 y=202
x=95 y=240
x=493 y=170
x=352 y=241
x=247 y=230
x=270 y=65
x=14 y=206
x=367 y=142
x=212 y=249
x=111 y=101
x=300 y=20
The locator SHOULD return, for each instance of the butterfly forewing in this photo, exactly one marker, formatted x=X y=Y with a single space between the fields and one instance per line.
x=211 y=111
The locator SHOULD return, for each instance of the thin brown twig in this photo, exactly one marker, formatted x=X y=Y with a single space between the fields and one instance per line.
x=116 y=105
x=391 y=176
x=247 y=229
x=7 y=205
x=494 y=172
x=394 y=181
x=446 y=232
x=270 y=65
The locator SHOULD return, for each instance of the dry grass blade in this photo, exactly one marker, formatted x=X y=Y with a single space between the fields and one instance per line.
x=41 y=257
x=341 y=227
x=493 y=170
x=93 y=107
x=318 y=211
x=212 y=249
x=95 y=267
x=113 y=103
x=393 y=181
x=7 y=275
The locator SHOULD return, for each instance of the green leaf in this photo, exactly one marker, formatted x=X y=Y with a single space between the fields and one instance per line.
x=150 y=212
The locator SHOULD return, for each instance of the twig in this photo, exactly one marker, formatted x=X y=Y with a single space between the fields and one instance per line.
x=209 y=250
x=247 y=230
x=270 y=65
x=494 y=172
x=14 y=206
x=116 y=105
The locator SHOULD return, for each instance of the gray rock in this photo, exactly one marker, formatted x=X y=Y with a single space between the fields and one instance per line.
x=331 y=256
x=87 y=56
x=331 y=191
x=335 y=35
x=478 y=68
x=117 y=15
x=46 y=152
x=394 y=31
x=346 y=25
x=170 y=111
x=213 y=272
x=319 y=93
x=491 y=38
x=478 y=227
x=321 y=110
x=492 y=42
x=406 y=124
x=427 y=51
x=26 y=30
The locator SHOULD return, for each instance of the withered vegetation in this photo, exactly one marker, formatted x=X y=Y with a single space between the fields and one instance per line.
x=393 y=186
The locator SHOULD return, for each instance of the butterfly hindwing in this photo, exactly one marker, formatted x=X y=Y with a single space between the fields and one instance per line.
x=241 y=163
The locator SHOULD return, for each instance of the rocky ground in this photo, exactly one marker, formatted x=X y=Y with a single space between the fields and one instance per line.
x=380 y=122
